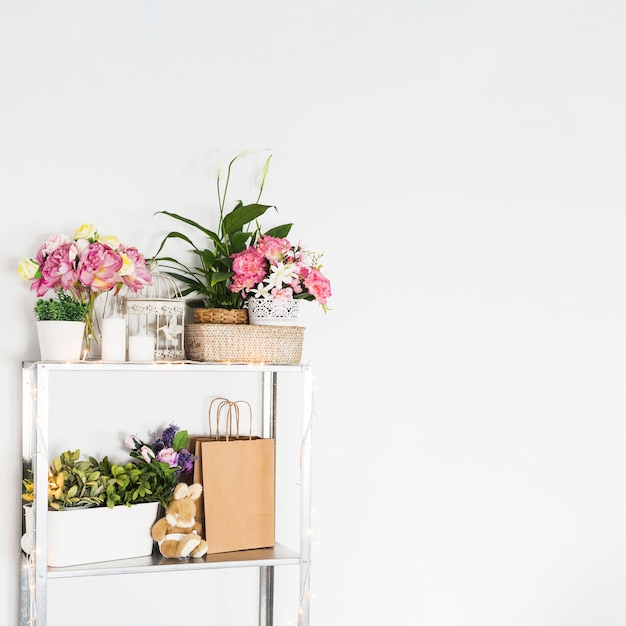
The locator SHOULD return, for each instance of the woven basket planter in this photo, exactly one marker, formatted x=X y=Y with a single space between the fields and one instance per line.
x=244 y=343
x=220 y=316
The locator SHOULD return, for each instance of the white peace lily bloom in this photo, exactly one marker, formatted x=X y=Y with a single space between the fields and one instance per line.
x=247 y=153
x=128 y=267
x=281 y=274
x=241 y=155
x=27 y=269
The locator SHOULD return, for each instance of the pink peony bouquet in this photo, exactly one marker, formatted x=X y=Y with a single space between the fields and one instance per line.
x=274 y=268
x=85 y=265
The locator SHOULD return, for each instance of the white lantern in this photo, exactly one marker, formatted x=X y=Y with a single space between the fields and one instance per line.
x=155 y=321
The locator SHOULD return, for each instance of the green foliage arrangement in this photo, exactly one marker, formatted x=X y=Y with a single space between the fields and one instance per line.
x=63 y=307
x=93 y=483
x=209 y=276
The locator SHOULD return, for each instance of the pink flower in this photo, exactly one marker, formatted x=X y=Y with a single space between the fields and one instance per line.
x=300 y=271
x=276 y=269
x=318 y=285
x=296 y=285
x=250 y=263
x=99 y=266
x=85 y=267
x=59 y=267
x=249 y=267
x=272 y=248
x=135 y=274
x=169 y=456
x=241 y=283
x=283 y=294
x=53 y=242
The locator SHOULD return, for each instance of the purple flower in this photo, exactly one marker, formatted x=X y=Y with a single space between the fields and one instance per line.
x=168 y=435
x=185 y=460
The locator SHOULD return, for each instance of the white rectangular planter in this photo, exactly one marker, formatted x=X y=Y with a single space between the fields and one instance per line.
x=77 y=536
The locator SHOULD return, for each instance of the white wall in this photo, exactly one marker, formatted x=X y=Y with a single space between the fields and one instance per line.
x=461 y=164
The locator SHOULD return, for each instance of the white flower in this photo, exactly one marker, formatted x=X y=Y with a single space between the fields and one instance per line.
x=130 y=442
x=262 y=291
x=147 y=453
x=281 y=274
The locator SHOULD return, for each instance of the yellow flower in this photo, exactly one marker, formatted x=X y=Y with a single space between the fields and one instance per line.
x=110 y=240
x=86 y=231
x=128 y=266
x=27 y=269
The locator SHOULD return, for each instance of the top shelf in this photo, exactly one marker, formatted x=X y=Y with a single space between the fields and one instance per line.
x=164 y=366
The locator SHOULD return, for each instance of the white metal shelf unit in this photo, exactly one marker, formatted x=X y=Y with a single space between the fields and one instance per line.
x=36 y=403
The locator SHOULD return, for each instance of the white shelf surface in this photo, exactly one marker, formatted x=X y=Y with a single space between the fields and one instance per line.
x=277 y=555
x=201 y=366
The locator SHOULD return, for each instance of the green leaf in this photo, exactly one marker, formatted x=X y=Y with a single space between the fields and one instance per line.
x=239 y=241
x=280 y=232
x=207 y=257
x=186 y=220
x=243 y=214
x=219 y=277
x=180 y=441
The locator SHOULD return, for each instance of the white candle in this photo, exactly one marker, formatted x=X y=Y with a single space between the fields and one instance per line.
x=113 y=339
x=140 y=348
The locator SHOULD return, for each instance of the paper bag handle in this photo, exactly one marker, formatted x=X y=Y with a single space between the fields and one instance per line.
x=232 y=410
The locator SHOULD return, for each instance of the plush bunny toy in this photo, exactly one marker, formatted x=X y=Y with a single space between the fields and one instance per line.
x=177 y=532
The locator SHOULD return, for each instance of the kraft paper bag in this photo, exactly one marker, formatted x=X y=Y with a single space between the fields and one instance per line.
x=194 y=444
x=237 y=475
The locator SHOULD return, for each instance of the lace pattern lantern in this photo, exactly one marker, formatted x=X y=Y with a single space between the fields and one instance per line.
x=156 y=321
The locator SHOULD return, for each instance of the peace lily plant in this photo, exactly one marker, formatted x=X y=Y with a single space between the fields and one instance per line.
x=209 y=275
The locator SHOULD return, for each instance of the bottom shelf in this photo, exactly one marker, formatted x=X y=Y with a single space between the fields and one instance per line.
x=277 y=555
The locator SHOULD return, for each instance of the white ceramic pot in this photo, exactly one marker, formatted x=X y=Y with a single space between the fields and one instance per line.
x=60 y=341
x=273 y=312
x=91 y=535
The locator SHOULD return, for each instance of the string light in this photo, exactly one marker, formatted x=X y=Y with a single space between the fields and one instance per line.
x=305 y=566
x=29 y=566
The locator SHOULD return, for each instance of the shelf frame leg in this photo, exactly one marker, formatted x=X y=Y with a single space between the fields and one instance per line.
x=266 y=595
x=268 y=430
